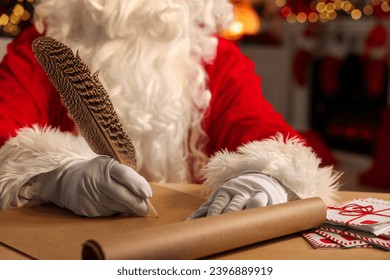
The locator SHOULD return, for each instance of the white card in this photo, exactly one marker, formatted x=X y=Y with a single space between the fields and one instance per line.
x=370 y=215
x=345 y=241
x=319 y=242
x=377 y=241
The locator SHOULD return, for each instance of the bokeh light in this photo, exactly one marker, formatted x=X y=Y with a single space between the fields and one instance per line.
x=327 y=10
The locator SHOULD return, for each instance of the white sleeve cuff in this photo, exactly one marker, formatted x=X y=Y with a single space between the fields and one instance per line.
x=289 y=161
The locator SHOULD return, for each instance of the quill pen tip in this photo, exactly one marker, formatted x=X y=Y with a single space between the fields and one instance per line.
x=151 y=207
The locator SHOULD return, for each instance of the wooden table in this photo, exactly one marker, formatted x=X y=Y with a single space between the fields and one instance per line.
x=288 y=247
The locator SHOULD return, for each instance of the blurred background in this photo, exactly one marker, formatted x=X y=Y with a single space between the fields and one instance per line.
x=324 y=66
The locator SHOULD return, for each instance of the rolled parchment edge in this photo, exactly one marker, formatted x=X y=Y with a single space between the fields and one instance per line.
x=194 y=239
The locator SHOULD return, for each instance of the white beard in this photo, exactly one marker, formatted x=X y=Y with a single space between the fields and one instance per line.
x=150 y=56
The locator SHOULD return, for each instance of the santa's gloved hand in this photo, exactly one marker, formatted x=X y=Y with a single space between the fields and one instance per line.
x=97 y=187
x=245 y=191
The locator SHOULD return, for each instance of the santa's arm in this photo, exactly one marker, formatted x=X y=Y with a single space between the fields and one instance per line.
x=41 y=161
x=294 y=165
x=33 y=123
x=34 y=151
x=27 y=96
x=248 y=136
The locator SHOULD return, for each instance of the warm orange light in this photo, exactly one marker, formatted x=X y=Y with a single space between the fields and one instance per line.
x=385 y=7
x=292 y=18
x=328 y=10
x=18 y=10
x=14 y=19
x=321 y=7
x=246 y=21
x=301 y=17
x=356 y=14
x=4 y=19
x=368 y=10
x=245 y=14
x=280 y=3
x=26 y=15
x=338 y=4
x=313 y=17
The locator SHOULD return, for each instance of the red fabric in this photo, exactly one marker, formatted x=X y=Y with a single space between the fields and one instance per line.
x=26 y=95
x=300 y=63
x=329 y=72
x=379 y=173
x=375 y=72
x=303 y=55
x=238 y=112
x=375 y=67
x=376 y=37
x=322 y=150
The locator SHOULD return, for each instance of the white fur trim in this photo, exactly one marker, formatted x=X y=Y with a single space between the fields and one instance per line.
x=34 y=151
x=289 y=161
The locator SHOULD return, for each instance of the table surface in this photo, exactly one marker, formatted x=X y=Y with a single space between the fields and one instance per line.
x=288 y=247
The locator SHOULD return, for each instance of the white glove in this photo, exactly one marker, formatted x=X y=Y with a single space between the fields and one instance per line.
x=97 y=187
x=248 y=190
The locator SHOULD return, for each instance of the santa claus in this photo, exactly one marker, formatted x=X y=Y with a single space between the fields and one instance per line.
x=189 y=100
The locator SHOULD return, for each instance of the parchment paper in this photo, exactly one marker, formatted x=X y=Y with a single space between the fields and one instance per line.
x=52 y=233
x=49 y=232
x=207 y=236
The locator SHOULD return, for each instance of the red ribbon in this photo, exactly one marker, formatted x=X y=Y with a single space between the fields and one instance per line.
x=358 y=211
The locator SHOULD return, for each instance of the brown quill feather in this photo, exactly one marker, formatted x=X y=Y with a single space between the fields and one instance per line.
x=86 y=100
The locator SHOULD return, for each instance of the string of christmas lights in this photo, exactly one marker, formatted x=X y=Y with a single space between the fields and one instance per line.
x=14 y=16
x=17 y=14
x=326 y=10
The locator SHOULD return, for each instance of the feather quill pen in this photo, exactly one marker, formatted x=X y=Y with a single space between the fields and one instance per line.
x=86 y=100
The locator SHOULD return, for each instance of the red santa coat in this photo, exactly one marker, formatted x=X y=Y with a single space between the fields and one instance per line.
x=238 y=111
x=245 y=133
x=27 y=95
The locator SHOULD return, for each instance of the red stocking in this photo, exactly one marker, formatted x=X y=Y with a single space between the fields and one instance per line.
x=329 y=72
x=379 y=173
x=337 y=48
x=375 y=59
x=303 y=57
x=301 y=61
